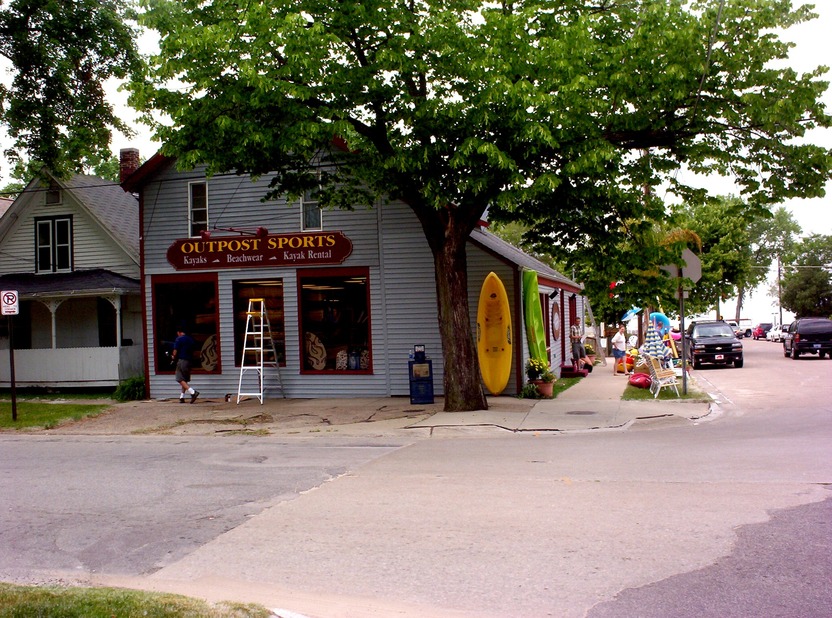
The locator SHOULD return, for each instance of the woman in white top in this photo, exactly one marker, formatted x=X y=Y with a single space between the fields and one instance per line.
x=619 y=350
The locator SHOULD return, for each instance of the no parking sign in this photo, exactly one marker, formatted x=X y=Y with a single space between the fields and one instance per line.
x=10 y=302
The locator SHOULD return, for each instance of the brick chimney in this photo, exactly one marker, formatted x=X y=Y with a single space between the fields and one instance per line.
x=128 y=162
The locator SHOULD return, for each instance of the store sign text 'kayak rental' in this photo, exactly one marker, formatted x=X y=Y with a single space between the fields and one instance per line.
x=249 y=251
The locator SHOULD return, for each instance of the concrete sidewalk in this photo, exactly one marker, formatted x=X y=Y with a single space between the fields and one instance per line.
x=593 y=403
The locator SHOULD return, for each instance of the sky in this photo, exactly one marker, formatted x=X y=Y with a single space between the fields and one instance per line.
x=813 y=215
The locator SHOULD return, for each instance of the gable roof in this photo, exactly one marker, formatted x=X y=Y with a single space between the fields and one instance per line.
x=5 y=203
x=106 y=202
x=497 y=246
x=115 y=210
x=146 y=171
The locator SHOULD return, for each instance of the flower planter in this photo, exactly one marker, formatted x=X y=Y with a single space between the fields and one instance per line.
x=544 y=388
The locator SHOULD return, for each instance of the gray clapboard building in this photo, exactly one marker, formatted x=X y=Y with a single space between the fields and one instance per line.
x=347 y=293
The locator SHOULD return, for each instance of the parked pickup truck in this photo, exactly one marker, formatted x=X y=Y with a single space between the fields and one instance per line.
x=743 y=329
x=808 y=336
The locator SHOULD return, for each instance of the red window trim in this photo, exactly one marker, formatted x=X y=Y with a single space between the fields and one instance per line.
x=360 y=271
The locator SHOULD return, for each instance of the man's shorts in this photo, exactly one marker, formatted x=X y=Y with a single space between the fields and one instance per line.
x=183 y=370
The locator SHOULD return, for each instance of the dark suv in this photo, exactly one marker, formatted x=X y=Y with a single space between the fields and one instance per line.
x=808 y=336
x=713 y=341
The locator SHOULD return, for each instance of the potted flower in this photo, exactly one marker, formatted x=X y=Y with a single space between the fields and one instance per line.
x=535 y=368
x=541 y=376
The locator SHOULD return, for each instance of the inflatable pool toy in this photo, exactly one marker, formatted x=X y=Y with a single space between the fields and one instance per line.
x=660 y=322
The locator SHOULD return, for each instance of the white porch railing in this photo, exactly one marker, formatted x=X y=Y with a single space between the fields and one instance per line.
x=76 y=367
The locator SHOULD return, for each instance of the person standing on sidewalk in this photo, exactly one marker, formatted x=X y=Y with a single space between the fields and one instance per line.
x=183 y=350
x=619 y=350
x=579 y=357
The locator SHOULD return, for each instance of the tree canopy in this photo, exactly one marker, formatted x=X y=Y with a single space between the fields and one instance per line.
x=564 y=115
x=60 y=55
x=806 y=288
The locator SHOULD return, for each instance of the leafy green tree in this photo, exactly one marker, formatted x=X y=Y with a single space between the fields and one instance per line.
x=771 y=238
x=557 y=114
x=806 y=288
x=61 y=54
x=722 y=226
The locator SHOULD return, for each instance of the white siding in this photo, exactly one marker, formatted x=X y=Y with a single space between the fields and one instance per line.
x=92 y=246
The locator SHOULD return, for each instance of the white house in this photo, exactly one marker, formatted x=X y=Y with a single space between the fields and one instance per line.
x=69 y=250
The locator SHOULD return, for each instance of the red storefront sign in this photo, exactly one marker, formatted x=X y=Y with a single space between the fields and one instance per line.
x=302 y=249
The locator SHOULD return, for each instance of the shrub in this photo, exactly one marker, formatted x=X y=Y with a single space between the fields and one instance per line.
x=529 y=392
x=131 y=389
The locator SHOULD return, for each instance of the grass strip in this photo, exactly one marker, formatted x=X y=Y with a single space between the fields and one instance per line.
x=45 y=414
x=37 y=602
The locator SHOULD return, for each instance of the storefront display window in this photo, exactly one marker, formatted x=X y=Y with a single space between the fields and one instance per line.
x=190 y=302
x=335 y=320
x=271 y=291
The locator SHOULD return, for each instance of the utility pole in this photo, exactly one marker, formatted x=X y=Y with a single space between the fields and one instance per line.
x=779 y=289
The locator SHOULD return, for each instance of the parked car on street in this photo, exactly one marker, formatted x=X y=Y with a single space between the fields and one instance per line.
x=738 y=330
x=808 y=336
x=777 y=332
x=760 y=330
x=713 y=341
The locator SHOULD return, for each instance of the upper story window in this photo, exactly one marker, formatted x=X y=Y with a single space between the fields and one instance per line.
x=197 y=208
x=310 y=211
x=53 y=194
x=53 y=244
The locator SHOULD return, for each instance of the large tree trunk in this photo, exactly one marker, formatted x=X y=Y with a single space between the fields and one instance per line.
x=740 y=300
x=447 y=233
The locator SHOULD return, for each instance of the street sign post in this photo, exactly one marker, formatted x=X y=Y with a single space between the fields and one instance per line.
x=9 y=306
x=692 y=269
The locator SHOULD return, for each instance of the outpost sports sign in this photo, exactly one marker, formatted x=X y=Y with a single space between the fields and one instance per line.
x=304 y=249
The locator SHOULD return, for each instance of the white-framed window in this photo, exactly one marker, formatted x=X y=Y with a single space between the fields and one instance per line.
x=53 y=244
x=311 y=217
x=197 y=208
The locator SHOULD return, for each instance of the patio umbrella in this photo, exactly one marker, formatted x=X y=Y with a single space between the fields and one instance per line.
x=654 y=346
x=630 y=314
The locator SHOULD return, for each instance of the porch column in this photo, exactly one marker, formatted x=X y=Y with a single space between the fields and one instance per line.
x=53 y=305
x=115 y=301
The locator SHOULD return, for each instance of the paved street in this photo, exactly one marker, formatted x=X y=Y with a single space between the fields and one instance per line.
x=726 y=517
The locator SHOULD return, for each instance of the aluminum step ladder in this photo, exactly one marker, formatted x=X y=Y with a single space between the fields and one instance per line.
x=259 y=352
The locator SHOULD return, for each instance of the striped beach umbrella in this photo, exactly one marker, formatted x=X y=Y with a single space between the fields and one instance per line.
x=654 y=345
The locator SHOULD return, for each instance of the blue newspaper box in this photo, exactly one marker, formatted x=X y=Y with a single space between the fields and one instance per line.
x=420 y=370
